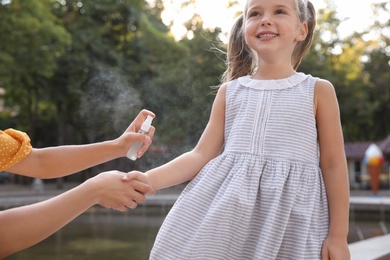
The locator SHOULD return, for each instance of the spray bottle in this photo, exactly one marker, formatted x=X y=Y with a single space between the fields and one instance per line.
x=132 y=153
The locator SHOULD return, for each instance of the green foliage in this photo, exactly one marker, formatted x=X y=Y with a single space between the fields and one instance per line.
x=31 y=44
x=181 y=90
x=348 y=65
x=377 y=68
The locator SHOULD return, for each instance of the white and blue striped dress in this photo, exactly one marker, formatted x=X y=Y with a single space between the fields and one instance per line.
x=264 y=196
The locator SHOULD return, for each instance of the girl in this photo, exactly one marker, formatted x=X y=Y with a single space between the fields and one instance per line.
x=279 y=189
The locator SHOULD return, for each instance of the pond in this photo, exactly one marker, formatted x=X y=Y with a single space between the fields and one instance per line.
x=105 y=234
x=101 y=234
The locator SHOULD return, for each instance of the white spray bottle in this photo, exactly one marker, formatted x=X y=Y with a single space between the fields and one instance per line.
x=132 y=153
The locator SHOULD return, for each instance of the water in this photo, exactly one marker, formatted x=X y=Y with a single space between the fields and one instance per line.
x=105 y=234
x=101 y=235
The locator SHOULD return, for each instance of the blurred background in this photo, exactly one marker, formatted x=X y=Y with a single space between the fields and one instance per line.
x=74 y=72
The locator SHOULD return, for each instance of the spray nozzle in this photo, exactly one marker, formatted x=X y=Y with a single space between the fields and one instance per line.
x=147 y=123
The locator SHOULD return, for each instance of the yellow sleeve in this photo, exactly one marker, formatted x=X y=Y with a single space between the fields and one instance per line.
x=14 y=147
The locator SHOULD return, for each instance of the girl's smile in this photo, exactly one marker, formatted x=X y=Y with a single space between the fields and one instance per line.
x=267 y=35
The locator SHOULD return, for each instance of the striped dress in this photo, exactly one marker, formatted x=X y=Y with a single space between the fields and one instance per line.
x=264 y=196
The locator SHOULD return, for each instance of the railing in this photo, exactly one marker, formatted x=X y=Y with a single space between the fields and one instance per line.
x=376 y=248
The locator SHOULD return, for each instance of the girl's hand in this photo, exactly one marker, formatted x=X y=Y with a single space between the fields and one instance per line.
x=335 y=249
x=139 y=176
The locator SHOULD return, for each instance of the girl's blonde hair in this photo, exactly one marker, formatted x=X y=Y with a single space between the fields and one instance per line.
x=241 y=60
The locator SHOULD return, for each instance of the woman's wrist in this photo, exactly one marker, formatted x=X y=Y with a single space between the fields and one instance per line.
x=90 y=191
x=114 y=149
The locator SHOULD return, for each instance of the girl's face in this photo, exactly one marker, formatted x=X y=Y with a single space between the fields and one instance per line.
x=273 y=26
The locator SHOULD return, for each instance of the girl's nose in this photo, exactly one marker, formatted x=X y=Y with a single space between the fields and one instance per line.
x=266 y=20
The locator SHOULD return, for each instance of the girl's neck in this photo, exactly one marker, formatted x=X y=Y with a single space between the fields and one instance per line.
x=273 y=68
x=273 y=73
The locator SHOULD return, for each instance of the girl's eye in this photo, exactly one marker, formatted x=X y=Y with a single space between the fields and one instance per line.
x=253 y=14
x=280 y=11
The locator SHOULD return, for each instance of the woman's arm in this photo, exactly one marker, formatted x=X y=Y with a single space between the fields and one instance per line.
x=53 y=162
x=334 y=169
x=25 y=226
x=186 y=166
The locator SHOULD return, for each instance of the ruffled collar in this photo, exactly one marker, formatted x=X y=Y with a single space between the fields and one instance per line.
x=272 y=84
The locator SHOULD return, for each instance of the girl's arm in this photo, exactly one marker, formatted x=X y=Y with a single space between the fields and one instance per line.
x=186 y=166
x=334 y=169
x=25 y=226
x=63 y=160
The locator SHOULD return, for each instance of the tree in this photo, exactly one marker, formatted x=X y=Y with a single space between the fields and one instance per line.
x=377 y=66
x=339 y=61
x=118 y=48
x=182 y=89
x=94 y=68
x=32 y=40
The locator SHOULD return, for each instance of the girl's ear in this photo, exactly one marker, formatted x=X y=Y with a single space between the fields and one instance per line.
x=303 y=31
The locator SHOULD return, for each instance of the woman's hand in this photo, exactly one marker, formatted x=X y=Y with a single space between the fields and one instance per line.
x=131 y=134
x=112 y=192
